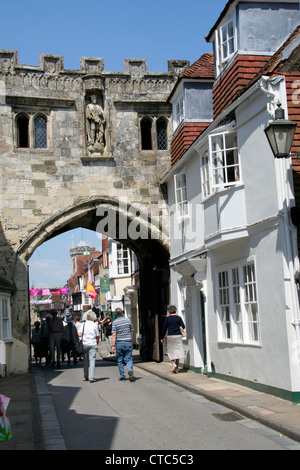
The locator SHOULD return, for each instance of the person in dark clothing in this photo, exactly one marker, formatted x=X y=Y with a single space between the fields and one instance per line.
x=172 y=325
x=71 y=337
x=36 y=341
x=56 y=330
x=107 y=324
x=46 y=339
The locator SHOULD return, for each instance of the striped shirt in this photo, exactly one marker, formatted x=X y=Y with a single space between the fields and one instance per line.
x=122 y=327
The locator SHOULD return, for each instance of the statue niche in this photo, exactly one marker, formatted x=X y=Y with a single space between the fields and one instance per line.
x=95 y=126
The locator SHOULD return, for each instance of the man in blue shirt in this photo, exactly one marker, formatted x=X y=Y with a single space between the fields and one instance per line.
x=122 y=336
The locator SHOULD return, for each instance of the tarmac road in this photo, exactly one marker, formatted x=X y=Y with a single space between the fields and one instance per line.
x=149 y=414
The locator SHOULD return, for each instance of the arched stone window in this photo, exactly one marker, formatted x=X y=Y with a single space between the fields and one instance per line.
x=40 y=132
x=31 y=131
x=146 y=133
x=23 y=131
x=162 y=134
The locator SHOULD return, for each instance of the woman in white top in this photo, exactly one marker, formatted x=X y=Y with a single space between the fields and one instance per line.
x=90 y=338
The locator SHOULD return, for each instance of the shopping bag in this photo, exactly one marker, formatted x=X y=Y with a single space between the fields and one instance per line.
x=5 y=428
x=79 y=347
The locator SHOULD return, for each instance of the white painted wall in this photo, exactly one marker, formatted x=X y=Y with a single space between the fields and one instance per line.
x=235 y=225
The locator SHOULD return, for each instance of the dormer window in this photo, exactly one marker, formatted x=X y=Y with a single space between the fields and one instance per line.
x=225 y=44
x=227 y=40
x=178 y=111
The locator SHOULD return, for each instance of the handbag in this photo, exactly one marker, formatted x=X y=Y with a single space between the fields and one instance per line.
x=79 y=344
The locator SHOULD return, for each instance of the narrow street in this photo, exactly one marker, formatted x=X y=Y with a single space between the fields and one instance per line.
x=148 y=414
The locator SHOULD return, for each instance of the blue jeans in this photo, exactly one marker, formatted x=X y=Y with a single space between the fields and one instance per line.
x=124 y=355
x=89 y=360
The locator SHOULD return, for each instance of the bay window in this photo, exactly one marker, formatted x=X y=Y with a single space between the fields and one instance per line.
x=220 y=165
x=224 y=159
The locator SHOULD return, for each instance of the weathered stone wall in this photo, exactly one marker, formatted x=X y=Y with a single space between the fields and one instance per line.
x=46 y=190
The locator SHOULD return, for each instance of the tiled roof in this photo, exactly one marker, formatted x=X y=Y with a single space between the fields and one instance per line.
x=184 y=138
x=202 y=68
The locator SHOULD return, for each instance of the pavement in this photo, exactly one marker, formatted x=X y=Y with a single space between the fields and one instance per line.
x=35 y=426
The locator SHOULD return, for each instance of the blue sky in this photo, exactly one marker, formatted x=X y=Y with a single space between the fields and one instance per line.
x=158 y=31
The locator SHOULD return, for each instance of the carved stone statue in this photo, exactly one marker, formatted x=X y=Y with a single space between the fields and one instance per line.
x=95 y=126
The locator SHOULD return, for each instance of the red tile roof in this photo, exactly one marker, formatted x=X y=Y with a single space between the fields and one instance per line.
x=202 y=69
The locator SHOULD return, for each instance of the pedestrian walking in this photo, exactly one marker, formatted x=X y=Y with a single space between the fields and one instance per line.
x=107 y=324
x=46 y=339
x=173 y=324
x=56 y=331
x=89 y=333
x=78 y=322
x=78 y=326
x=71 y=337
x=122 y=336
x=36 y=341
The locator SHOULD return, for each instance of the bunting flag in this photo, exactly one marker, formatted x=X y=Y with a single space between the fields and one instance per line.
x=90 y=290
x=61 y=291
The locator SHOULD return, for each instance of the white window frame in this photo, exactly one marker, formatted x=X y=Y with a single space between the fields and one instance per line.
x=209 y=170
x=5 y=317
x=178 y=111
x=182 y=297
x=122 y=256
x=224 y=41
x=219 y=152
x=237 y=304
x=205 y=173
x=181 y=195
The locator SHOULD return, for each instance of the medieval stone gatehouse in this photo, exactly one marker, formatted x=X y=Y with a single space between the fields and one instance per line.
x=82 y=148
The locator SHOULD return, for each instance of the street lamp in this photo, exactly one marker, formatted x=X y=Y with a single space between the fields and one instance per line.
x=280 y=134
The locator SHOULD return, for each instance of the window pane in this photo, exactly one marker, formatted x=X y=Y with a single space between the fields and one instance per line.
x=162 y=136
x=224 y=304
x=226 y=322
x=227 y=39
x=251 y=302
x=146 y=133
x=205 y=177
x=23 y=132
x=40 y=132
x=239 y=323
x=181 y=194
x=4 y=319
x=225 y=159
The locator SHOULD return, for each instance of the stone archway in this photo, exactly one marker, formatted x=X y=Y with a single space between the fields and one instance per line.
x=142 y=237
x=48 y=187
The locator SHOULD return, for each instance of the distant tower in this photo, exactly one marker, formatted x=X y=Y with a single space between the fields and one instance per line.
x=81 y=249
